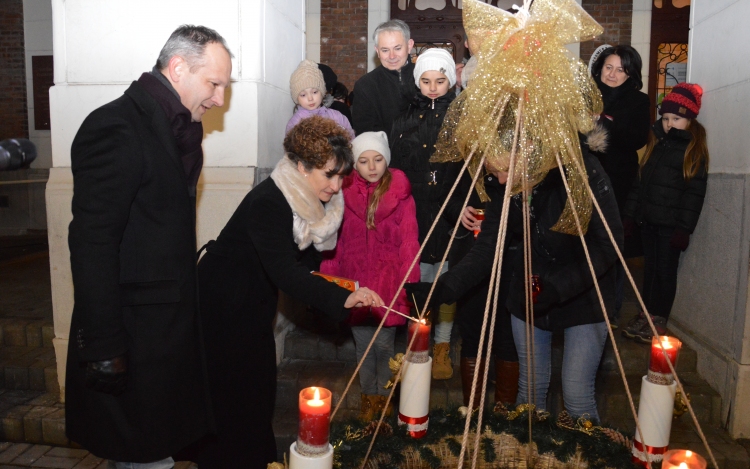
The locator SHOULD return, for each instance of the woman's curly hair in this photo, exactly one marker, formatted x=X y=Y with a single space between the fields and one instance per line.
x=315 y=141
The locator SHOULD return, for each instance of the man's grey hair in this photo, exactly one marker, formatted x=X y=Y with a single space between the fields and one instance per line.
x=396 y=26
x=189 y=42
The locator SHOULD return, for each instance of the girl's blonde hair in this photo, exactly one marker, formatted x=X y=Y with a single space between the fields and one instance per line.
x=696 y=154
x=372 y=206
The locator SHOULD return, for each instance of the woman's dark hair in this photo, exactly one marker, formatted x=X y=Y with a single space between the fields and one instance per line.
x=630 y=60
x=315 y=141
x=340 y=91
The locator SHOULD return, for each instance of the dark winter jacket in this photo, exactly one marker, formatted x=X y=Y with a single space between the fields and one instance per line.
x=557 y=258
x=380 y=96
x=660 y=195
x=343 y=109
x=132 y=256
x=412 y=143
x=377 y=258
x=627 y=120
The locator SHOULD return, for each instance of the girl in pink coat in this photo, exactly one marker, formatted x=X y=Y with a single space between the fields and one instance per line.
x=378 y=241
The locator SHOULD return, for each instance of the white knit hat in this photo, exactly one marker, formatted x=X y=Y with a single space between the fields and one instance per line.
x=439 y=60
x=307 y=75
x=376 y=141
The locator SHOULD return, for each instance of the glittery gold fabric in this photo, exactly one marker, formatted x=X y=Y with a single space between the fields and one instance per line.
x=523 y=56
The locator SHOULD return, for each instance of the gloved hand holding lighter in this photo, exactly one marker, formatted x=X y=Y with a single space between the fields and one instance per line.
x=108 y=376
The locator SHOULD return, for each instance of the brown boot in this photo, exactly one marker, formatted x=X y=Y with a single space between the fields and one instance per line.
x=380 y=403
x=442 y=368
x=506 y=382
x=468 y=367
x=368 y=408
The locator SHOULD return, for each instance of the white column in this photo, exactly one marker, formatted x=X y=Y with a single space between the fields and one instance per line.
x=640 y=36
x=312 y=19
x=378 y=11
x=101 y=47
x=711 y=308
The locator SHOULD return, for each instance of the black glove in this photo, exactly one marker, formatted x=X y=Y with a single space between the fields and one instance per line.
x=628 y=227
x=107 y=376
x=680 y=239
x=420 y=290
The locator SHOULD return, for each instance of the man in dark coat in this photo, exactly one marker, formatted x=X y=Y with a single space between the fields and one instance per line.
x=135 y=384
x=385 y=92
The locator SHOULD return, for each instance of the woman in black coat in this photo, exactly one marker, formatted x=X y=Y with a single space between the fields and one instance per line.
x=617 y=72
x=568 y=301
x=269 y=244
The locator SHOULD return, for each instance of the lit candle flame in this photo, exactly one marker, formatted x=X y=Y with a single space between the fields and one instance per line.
x=423 y=321
x=688 y=453
x=315 y=401
x=666 y=344
x=683 y=465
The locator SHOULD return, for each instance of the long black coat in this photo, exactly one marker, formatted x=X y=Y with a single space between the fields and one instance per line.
x=557 y=258
x=240 y=275
x=412 y=142
x=660 y=195
x=627 y=121
x=132 y=254
x=380 y=96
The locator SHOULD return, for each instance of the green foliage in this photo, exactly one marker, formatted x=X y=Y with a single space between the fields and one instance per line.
x=447 y=426
x=489 y=450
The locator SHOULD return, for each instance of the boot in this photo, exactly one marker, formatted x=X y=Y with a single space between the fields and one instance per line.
x=368 y=409
x=442 y=368
x=506 y=382
x=468 y=367
x=379 y=404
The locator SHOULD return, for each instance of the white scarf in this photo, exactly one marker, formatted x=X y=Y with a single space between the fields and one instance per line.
x=314 y=223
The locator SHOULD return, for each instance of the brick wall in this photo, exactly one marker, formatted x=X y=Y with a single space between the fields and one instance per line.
x=616 y=16
x=14 y=120
x=343 y=38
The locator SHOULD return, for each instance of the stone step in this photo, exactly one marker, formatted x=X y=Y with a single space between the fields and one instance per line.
x=26 y=332
x=28 y=367
x=32 y=417
x=301 y=344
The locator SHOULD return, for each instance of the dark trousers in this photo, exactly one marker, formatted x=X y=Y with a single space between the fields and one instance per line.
x=470 y=310
x=470 y=314
x=660 y=269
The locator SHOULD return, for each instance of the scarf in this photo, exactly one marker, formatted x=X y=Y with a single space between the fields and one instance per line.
x=188 y=134
x=610 y=95
x=314 y=222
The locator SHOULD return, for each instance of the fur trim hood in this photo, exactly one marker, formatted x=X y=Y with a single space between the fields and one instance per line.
x=314 y=222
x=596 y=140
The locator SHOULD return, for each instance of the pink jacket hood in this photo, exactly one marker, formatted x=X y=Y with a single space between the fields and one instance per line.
x=377 y=258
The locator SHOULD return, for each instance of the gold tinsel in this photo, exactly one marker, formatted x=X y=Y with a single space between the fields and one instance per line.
x=523 y=56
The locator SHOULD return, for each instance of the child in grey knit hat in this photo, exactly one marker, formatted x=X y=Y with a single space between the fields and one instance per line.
x=308 y=89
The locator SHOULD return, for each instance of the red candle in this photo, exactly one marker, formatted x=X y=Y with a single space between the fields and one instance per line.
x=658 y=363
x=683 y=459
x=479 y=216
x=422 y=330
x=314 y=419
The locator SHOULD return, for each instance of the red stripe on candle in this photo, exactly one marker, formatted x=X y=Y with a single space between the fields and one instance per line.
x=649 y=449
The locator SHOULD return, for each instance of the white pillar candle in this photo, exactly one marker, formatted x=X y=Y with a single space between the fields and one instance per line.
x=414 y=404
x=321 y=461
x=655 y=419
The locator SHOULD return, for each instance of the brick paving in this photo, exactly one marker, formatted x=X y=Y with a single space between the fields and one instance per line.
x=15 y=455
